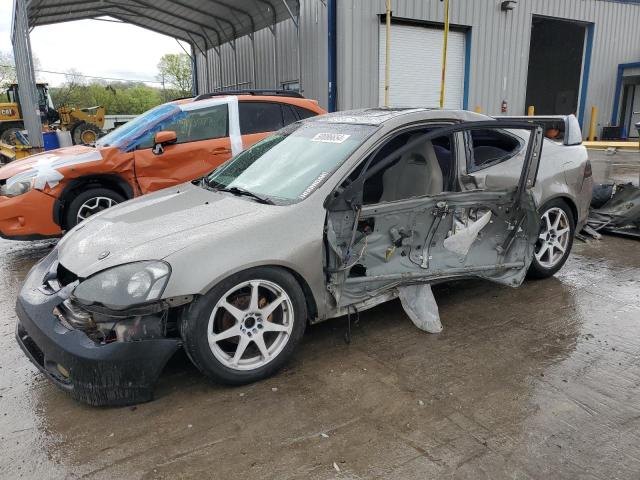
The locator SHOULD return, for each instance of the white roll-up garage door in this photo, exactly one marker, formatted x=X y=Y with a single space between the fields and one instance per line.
x=416 y=67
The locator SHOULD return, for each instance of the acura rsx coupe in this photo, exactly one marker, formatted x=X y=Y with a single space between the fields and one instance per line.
x=327 y=216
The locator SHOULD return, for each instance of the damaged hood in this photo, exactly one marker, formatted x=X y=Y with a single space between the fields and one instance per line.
x=52 y=157
x=152 y=227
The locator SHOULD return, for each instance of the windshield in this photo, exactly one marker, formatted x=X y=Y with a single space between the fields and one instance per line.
x=290 y=164
x=133 y=129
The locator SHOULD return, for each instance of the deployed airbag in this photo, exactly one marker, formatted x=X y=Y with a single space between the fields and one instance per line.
x=460 y=242
x=421 y=307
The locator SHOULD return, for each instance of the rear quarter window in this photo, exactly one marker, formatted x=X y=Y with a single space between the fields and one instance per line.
x=303 y=112
x=260 y=117
x=490 y=147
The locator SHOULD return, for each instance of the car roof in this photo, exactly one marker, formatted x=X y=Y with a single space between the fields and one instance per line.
x=380 y=115
x=300 y=101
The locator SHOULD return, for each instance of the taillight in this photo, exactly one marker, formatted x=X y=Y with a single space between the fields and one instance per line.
x=588 y=172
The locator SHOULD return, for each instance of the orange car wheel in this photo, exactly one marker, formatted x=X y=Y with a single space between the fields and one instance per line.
x=89 y=203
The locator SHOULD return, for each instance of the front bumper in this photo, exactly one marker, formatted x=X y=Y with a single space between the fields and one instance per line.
x=28 y=216
x=118 y=373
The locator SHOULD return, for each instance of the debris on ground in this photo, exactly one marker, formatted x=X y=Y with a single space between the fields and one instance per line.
x=421 y=307
x=614 y=209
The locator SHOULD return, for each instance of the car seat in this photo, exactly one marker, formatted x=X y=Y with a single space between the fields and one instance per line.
x=417 y=173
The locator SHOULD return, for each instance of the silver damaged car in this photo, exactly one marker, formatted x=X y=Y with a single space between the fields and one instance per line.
x=325 y=217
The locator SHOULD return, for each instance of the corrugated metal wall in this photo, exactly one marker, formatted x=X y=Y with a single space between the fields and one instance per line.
x=242 y=75
x=499 y=49
x=313 y=38
x=499 y=46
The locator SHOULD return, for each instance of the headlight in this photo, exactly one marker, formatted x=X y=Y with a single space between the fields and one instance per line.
x=122 y=287
x=16 y=188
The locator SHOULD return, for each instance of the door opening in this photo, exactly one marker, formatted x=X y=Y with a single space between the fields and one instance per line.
x=555 y=66
x=630 y=113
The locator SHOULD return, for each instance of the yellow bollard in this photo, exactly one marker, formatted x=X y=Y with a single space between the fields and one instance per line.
x=593 y=124
x=388 y=54
x=444 y=51
x=478 y=109
x=531 y=111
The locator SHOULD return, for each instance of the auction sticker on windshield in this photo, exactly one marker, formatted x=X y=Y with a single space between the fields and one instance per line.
x=330 y=137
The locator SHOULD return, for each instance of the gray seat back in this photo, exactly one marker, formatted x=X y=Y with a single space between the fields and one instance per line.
x=417 y=173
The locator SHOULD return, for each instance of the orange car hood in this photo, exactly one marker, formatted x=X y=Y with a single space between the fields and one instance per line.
x=19 y=166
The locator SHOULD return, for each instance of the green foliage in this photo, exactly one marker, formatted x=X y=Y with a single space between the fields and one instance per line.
x=7 y=70
x=119 y=98
x=175 y=72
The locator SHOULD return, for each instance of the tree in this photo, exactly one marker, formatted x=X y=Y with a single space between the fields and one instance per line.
x=175 y=70
x=8 y=69
x=118 y=98
x=73 y=82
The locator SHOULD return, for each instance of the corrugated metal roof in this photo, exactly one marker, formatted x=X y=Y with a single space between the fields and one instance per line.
x=206 y=23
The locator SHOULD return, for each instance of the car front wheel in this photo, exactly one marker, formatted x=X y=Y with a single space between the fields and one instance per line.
x=89 y=203
x=246 y=327
x=557 y=227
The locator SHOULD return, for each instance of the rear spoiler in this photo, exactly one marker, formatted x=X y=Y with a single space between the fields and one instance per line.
x=568 y=125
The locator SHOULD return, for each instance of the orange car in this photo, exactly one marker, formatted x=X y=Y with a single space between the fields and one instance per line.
x=46 y=194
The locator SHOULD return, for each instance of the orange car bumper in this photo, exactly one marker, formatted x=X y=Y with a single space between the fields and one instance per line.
x=28 y=216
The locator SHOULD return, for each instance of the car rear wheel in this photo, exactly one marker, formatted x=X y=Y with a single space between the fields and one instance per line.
x=89 y=203
x=246 y=327
x=557 y=227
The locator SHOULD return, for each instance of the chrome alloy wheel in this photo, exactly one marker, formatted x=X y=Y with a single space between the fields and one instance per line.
x=250 y=325
x=93 y=206
x=553 y=239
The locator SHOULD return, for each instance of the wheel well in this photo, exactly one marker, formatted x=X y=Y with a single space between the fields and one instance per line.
x=76 y=186
x=7 y=125
x=569 y=202
x=312 y=308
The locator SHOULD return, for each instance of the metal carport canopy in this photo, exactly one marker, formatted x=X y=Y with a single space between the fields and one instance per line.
x=204 y=24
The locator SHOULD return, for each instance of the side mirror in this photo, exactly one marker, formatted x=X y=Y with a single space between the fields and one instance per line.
x=162 y=138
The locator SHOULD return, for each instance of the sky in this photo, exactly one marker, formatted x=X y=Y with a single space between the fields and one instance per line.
x=92 y=47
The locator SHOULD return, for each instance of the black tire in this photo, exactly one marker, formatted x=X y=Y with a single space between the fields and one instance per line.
x=537 y=270
x=8 y=135
x=71 y=214
x=83 y=128
x=195 y=321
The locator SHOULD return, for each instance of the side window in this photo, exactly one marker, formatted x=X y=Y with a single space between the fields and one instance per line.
x=426 y=169
x=303 y=112
x=260 y=117
x=490 y=147
x=192 y=126
x=288 y=115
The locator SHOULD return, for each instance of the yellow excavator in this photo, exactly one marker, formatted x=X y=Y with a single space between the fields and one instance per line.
x=85 y=124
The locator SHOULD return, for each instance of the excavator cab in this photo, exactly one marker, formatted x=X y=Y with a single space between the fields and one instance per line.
x=48 y=113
